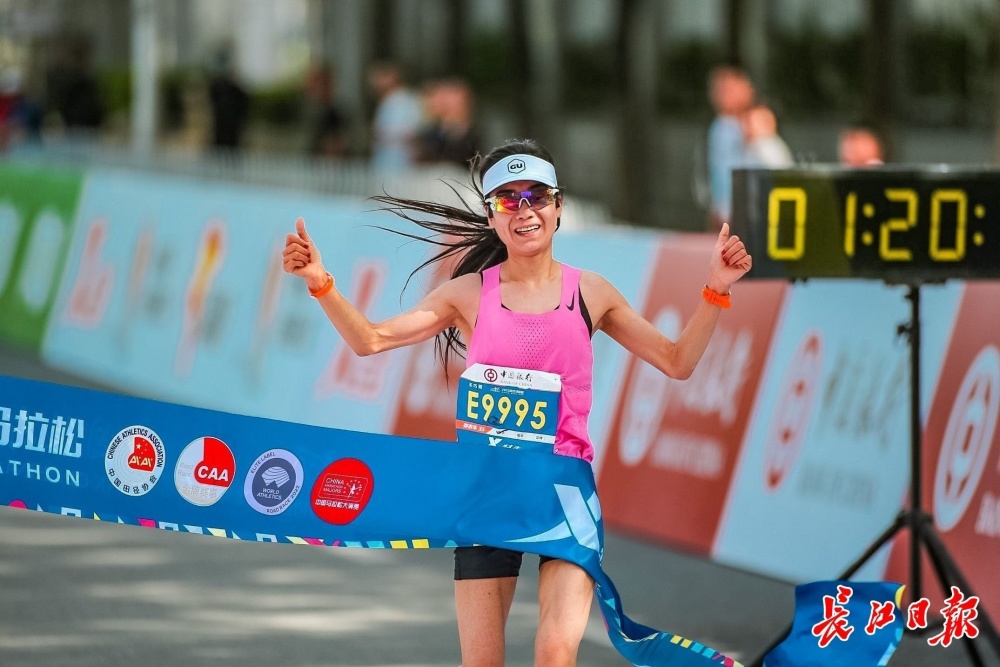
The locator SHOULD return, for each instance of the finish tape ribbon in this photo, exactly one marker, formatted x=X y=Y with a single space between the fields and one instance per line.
x=120 y=459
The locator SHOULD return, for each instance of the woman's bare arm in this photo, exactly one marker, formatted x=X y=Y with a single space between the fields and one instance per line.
x=439 y=310
x=676 y=359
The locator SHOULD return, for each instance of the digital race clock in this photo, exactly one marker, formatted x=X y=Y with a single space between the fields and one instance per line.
x=908 y=225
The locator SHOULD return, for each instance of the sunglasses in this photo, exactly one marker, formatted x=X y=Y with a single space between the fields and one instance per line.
x=508 y=202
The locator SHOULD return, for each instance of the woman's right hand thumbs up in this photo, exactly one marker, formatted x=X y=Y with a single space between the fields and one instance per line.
x=301 y=257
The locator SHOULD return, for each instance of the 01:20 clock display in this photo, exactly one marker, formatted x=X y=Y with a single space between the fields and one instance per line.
x=895 y=225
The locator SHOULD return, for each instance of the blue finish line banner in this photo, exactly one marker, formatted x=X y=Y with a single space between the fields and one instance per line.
x=126 y=460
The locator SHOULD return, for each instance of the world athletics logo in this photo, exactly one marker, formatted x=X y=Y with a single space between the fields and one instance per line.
x=273 y=482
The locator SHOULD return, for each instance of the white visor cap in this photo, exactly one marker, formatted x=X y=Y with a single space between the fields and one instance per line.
x=519 y=168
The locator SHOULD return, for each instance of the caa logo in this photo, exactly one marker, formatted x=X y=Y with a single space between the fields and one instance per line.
x=135 y=460
x=273 y=482
x=516 y=166
x=967 y=439
x=204 y=471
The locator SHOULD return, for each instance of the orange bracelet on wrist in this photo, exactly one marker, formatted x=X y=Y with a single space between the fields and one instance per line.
x=714 y=298
x=327 y=286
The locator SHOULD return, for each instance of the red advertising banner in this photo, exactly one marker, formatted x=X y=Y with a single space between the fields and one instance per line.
x=425 y=403
x=961 y=454
x=673 y=445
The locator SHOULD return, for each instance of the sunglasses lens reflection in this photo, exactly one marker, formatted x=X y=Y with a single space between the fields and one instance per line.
x=508 y=202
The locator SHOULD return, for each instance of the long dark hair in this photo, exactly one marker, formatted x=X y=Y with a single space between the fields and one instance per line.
x=463 y=232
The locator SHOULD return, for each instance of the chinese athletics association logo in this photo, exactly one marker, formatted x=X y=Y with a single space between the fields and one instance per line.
x=273 y=482
x=204 y=471
x=135 y=460
x=342 y=491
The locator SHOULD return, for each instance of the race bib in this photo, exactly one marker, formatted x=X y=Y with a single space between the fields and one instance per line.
x=507 y=407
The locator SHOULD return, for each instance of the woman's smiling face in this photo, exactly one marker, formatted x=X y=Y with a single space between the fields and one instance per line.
x=526 y=230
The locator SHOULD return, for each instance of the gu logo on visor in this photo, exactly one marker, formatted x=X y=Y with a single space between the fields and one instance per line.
x=515 y=166
x=204 y=471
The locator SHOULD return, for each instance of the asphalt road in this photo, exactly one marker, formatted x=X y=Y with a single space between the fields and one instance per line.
x=82 y=593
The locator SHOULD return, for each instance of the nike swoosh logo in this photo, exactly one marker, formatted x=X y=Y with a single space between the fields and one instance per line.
x=572 y=302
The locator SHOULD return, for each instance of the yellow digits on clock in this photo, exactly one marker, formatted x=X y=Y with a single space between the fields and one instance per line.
x=885 y=249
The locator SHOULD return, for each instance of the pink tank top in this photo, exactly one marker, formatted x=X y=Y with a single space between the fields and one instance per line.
x=557 y=342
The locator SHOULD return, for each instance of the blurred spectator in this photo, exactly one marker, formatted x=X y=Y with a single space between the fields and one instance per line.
x=230 y=103
x=397 y=119
x=20 y=118
x=73 y=90
x=451 y=135
x=763 y=147
x=326 y=126
x=859 y=147
x=731 y=94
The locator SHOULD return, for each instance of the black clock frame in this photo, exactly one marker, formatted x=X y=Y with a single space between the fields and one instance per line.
x=901 y=225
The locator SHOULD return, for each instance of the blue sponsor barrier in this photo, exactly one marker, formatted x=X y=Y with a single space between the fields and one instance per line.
x=121 y=459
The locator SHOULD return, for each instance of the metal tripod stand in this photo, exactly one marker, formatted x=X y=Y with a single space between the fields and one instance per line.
x=915 y=518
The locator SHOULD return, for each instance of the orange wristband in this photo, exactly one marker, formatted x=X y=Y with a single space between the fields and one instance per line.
x=327 y=286
x=714 y=298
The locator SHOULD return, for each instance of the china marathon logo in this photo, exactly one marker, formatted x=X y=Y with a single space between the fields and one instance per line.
x=342 y=491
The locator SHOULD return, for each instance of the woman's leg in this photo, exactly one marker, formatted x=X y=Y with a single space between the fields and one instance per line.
x=485 y=579
x=482 y=606
x=565 y=592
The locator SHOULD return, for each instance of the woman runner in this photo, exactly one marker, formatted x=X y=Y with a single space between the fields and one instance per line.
x=510 y=303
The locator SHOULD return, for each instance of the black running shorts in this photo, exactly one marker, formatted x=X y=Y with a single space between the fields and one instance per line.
x=489 y=562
